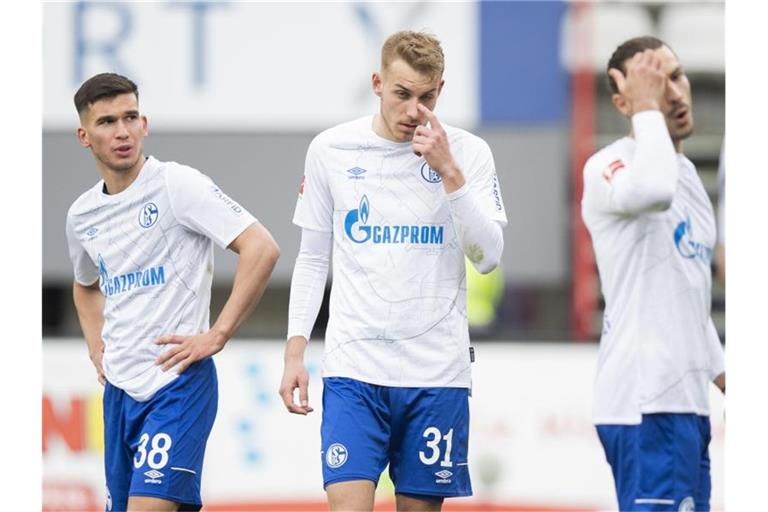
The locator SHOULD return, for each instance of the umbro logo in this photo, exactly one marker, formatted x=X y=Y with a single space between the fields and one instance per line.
x=444 y=474
x=356 y=173
x=154 y=477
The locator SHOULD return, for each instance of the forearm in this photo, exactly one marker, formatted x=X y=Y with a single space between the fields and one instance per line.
x=89 y=303
x=716 y=357
x=479 y=236
x=294 y=348
x=258 y=254
x=650 y=181
x=308 y=282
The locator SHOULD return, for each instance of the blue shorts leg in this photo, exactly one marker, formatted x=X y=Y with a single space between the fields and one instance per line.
x=163 y=439
x=430 y=441
x=661 y=464
x=354 y=431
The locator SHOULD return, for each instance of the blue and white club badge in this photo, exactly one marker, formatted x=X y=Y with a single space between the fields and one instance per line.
x=336 y=455
x=148 y=215
x=429 y=174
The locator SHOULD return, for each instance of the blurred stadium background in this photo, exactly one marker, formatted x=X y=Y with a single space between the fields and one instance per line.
x=238 y=90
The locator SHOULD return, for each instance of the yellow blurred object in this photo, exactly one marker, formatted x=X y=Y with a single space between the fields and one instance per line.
x=484 y=291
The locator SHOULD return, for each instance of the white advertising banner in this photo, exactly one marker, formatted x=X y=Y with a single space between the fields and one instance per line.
x=531 y=443
x=270 y=66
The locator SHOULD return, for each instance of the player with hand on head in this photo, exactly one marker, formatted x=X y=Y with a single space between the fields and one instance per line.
x=653 y=232
x=399 y=198
x=141 y=242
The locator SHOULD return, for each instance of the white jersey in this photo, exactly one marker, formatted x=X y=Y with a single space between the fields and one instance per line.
x=151 y=249
x=398 y=303
x=659 y=349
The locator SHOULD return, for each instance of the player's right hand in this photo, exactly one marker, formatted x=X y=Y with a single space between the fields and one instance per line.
x=295 y=375
x=96 y=358
x=645 y=82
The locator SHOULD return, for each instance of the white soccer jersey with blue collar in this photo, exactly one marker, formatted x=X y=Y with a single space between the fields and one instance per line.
x=151 y=249
x=398 y=301
x=659 y=349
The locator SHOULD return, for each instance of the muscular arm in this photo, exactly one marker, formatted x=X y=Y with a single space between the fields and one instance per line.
x=89 y=303
x=258 y=254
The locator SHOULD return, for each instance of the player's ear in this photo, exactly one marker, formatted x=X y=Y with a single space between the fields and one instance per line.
x=145 y=124
x=440 y=87
x=621 y=104
x=378 y=87
x=82 y=137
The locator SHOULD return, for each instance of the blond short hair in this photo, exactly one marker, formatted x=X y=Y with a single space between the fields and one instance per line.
x=419 y=50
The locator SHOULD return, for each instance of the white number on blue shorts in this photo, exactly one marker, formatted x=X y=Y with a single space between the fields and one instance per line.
x=158 y=455
x=434 y=445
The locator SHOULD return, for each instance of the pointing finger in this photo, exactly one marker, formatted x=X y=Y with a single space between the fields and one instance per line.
x=431 y=117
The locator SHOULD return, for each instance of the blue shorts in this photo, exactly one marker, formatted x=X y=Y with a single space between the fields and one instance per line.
x=661 y=464
x=155 y=448
x=423 y=433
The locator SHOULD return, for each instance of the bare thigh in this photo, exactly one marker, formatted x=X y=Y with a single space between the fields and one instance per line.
x=147 y=504
x=351 y=495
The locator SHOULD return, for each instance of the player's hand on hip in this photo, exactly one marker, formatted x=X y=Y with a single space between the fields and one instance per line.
x=644 y=83
x=295 y=375
x=96 y=359
x=432 y=143
x=188 y=349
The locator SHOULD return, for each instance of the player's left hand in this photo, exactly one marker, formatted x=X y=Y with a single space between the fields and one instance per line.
x=188 y=349
x=432 y=143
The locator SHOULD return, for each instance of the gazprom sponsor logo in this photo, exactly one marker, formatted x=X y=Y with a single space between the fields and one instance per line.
x=142 y=278
x=359 y=231
x=687 y=246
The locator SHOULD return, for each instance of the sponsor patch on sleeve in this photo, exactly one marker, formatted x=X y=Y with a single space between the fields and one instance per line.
x=301 y=186
x=612 y=169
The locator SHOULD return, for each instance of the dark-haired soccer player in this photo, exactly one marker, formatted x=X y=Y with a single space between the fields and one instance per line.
x=141 y=242
x=653 y=231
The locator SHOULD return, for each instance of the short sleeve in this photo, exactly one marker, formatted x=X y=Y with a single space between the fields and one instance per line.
x=314 y=206
x=203 y=207
x=86 y=272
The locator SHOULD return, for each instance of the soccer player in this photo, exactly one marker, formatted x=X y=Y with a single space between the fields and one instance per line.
x=141 y=242
x=399 y=198
x=653 y=231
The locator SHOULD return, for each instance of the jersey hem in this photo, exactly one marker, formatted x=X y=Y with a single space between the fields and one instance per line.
x=391 y=384
x=636 y=420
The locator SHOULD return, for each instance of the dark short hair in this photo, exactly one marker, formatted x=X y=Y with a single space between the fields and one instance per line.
x=103 y=85
x=625 y=51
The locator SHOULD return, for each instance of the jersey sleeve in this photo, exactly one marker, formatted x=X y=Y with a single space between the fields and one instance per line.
x=314 y=206
x=633 y=184
x=201 y=206
x=483 y=181
x=86 y=272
